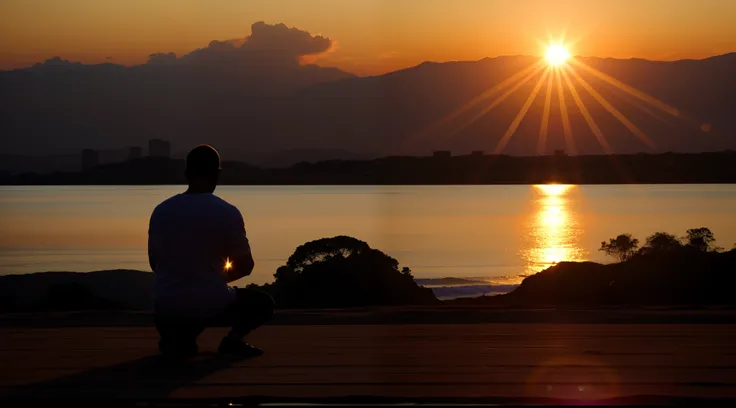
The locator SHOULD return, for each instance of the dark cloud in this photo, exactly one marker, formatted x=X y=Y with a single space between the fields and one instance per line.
x=285 y=41
x=270 y=42
x=162 y=58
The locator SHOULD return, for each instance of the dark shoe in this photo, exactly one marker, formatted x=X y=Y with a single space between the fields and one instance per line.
x=238 y=348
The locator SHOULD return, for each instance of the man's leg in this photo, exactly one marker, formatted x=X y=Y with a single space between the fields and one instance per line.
x=178 y=339
x=251 y=310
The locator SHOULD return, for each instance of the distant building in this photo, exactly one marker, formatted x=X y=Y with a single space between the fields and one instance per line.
x=90 y=158
x=112 y=155
x=477 y=153
x=159 y=148
x=135 y=152
x=442 y=154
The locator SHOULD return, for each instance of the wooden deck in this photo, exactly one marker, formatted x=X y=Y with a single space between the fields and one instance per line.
x=568 y=361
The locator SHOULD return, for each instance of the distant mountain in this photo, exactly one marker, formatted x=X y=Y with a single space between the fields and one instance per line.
x=286 y=158
x=391 y=113
x=254 y=111
x=61 y=107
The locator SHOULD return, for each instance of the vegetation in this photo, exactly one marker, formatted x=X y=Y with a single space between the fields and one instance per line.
x=341 y=272
x=661 y=242
x=344 y=272
x=623 y=247
x=701 y=239
x=688 y=271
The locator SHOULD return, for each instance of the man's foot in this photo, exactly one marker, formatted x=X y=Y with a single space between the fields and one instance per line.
x=238 y=348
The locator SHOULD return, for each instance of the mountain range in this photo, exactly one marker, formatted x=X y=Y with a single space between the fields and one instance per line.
x=267 y=110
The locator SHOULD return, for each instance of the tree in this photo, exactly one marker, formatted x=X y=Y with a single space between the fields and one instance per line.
x=324 y=249
x=622 y=247
x=701 y=239
x=660 y=242
x=344 y=272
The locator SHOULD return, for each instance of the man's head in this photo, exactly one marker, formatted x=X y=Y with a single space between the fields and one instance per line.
x=203 y=168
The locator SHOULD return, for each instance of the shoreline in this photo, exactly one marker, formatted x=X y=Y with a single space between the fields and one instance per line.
x=445 y=288
x=480 y=169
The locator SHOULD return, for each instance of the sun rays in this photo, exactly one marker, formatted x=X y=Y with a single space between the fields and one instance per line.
x=544 y=127
x=500 y=99
x=586 y=115
x=520 y=116
x=566 y=127
x=557 y=72
x=612 y=110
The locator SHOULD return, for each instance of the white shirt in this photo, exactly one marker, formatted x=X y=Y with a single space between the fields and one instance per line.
x=190 y=238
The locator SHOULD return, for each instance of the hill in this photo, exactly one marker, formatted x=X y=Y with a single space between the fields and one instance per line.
x=390 y=114
x=123 y=289
x=255 y=112
x=683 y=278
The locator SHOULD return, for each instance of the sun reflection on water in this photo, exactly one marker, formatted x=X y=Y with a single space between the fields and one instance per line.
x=554 y=230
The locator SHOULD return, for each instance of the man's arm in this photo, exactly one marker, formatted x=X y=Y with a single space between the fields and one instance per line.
x=238 y=251
x=151 y=258
x=240 y=267
x=151 y=262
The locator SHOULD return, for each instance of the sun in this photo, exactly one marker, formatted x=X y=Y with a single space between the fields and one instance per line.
x=556 y=55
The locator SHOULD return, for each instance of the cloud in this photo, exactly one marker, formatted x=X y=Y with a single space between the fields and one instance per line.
x=267 y=42
x=286 y=41
x=162 y=58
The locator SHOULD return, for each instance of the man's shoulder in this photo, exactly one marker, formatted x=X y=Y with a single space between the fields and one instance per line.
x=208 y=203
x=169 y=202
x=227 y=208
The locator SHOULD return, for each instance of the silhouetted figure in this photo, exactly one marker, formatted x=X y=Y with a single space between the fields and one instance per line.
x=196 y=246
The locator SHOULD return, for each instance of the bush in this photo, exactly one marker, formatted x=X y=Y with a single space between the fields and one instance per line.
x=343 y=272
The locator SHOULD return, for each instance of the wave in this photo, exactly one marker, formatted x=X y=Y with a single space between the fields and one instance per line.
x=455 y=292
x=453 y=288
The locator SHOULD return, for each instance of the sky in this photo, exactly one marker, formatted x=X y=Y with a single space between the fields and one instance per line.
x=369 y=36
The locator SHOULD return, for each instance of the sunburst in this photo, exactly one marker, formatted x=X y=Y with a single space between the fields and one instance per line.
x=562 y=75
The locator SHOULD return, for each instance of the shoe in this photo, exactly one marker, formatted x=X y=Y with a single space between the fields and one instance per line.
x=238 y=348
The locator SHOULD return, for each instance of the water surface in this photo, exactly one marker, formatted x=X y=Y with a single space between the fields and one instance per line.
x=498 y=233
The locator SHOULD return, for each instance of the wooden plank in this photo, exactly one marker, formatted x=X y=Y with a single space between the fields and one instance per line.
x=482 y=360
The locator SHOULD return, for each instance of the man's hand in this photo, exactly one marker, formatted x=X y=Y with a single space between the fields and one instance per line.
x=239 y=268
x=236 y=246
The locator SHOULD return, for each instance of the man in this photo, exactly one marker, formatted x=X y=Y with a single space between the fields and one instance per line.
x=196 y=246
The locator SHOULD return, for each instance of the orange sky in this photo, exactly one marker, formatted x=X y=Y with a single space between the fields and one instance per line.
x=372 y=36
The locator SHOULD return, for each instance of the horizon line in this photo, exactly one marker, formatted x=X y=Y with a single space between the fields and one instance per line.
x=59 y=57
